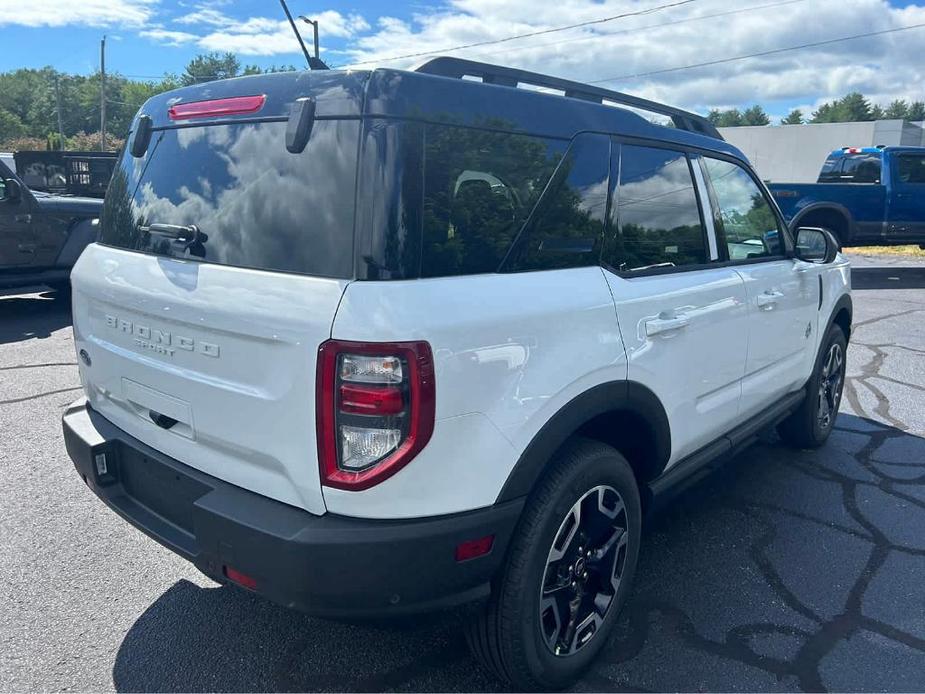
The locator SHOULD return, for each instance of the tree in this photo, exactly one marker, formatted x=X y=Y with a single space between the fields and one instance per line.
x=916 y=111
x=755 y=116
x=795 y=117
x=896 y=109
x=209 y=67
x=851 y=108
x=10 y=126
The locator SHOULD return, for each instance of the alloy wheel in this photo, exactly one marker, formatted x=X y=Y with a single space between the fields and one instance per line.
x=584 y=569
x=830 y=386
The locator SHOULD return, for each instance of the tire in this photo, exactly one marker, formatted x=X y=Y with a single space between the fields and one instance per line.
x=510 y=636
x=810 y=425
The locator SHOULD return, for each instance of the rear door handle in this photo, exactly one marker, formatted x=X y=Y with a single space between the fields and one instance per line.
x=769 y=298
x=664 y=325
x=22 y=218
x=27 y=247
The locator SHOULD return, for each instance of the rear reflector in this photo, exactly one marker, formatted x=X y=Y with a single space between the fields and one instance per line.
x=242 y=580
x=232 y=106
x=470 y=549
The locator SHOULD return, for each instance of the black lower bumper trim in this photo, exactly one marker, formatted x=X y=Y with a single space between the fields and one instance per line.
x=330 y=566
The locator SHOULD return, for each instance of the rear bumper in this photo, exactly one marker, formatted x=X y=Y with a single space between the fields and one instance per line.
x=330 y=566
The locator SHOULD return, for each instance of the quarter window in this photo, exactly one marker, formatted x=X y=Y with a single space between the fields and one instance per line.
x=567 y=227
x=479 y=189
x=745 y=220
x=657 y=216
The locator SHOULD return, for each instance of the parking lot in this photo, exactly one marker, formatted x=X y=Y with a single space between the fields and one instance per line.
x=785 y=571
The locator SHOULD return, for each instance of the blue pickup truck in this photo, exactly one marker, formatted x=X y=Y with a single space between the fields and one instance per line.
x=865 y=196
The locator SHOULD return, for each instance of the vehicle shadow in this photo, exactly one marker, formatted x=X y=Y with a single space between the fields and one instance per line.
x=888 y=277
x=753 y=579
x=32 y=316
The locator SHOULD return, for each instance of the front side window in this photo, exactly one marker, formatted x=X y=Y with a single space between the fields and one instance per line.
x=745 y=220
x=911 y=168
x=656 y=213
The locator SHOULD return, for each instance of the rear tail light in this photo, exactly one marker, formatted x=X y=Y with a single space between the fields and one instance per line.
x=375 y=409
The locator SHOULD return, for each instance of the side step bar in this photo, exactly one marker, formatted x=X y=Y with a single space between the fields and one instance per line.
x=701 y=463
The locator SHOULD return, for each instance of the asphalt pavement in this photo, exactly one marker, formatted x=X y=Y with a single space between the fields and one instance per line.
x=786 y=570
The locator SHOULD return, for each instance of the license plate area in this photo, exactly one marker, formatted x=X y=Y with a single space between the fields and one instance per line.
x=161 y=489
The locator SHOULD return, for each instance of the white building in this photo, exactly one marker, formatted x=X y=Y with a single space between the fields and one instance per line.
x=794 y=153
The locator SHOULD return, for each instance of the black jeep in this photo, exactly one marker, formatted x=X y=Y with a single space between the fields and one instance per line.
x=41 y=235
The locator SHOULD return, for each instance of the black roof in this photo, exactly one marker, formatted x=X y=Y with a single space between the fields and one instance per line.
x=439 y=91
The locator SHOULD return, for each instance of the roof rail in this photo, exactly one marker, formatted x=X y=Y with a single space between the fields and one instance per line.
x=510 y=77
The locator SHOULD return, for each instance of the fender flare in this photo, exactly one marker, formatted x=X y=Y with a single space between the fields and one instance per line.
x=80 y=234
x=825 y=207
x=844 y=302
x=615 y=396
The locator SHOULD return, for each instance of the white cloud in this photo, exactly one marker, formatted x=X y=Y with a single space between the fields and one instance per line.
x=168 y=38
x=255 y=35
x=94 y=13
x=884 y=67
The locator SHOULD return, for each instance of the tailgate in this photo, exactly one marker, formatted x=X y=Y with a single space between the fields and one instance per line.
x=210 y=364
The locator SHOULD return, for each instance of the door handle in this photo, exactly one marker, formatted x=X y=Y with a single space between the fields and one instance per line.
x=22 y=218
x=769 y=298
x=27 y=247
x=664 y=325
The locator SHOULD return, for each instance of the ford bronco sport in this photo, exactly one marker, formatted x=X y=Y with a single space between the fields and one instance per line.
x=371 y=343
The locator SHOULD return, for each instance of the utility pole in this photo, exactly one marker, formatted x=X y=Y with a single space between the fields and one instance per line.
x=58 y=109
x=103 y=94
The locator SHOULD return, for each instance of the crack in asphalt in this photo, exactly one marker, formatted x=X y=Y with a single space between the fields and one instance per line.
x=806 y=664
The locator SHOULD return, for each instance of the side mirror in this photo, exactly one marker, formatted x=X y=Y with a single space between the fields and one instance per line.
x=816 y=245
x=10 y=190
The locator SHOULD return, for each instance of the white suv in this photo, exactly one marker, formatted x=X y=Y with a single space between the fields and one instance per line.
x=371 y=343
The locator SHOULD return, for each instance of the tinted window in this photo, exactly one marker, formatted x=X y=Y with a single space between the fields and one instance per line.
x=257 y=205
x=566 y=228
x=831 y=170
x=479 y=189
x=658 y=219
x=745 y=219
x=911 y=168
x=861 y=168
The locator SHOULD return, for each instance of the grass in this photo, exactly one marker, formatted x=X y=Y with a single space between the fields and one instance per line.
x=908 y=251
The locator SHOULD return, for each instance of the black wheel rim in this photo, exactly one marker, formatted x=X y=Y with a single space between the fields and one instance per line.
x=830 y=387
x=584 y=569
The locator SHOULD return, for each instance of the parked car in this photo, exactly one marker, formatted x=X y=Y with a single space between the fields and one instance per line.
x=42 y=235
x=372 y=343
x=864 y=195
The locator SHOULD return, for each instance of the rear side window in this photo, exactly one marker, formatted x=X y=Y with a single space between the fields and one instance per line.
x=255 y=204
x=657 y=215
x=745 y=220
x=479 y=189
x=911 y=168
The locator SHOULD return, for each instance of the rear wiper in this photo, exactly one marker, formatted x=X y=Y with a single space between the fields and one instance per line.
x=185 y=233
x=649 y=267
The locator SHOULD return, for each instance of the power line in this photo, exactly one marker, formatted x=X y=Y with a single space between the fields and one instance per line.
x=541 y=32
x=674 y=22
x=774 y=51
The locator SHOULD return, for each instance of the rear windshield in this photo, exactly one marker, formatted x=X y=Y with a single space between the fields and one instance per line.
x=255 y=204
x=851 y=168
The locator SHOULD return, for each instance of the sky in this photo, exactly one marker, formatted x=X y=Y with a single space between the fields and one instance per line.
x=147 y=38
